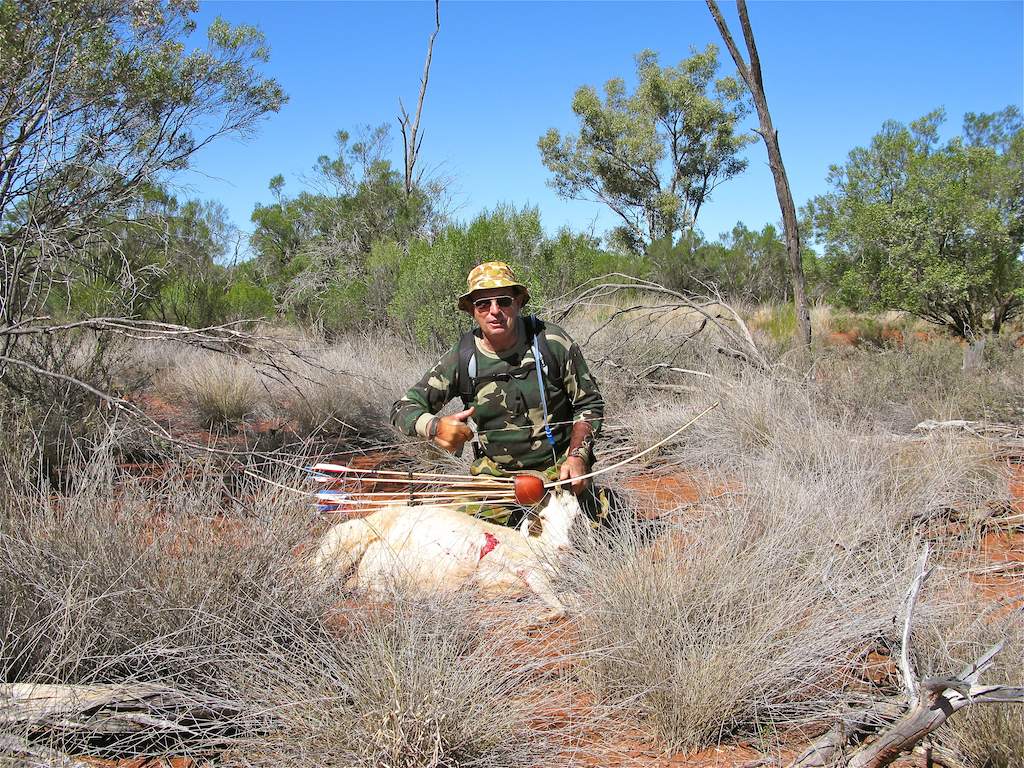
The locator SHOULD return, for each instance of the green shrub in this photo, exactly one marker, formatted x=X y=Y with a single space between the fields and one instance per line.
x=246 y=300
x=433 y=275
x=195 y=301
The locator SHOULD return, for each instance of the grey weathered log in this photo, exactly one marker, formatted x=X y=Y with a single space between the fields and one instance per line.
x=122 y=709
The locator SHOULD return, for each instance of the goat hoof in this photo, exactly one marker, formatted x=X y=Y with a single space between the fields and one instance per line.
x=546 y=618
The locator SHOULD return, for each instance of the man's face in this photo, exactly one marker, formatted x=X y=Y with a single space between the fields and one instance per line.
x=496 y=311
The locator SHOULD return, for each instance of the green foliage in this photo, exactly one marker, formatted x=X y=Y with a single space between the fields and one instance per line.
x=314 y=247
x=195 y=301
x=653 y=156
x=118 y=73
x=432 y=274
x=933 y=229
x=247 y=300
x=742 y=264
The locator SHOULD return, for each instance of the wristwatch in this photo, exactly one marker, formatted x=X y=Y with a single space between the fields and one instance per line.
x=580 y=453
x=585 y=450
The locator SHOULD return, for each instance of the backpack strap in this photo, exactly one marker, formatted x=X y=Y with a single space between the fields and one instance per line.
x=536 y=329
x=465 y=372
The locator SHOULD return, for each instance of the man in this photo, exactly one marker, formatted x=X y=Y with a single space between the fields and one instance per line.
x=494 y=370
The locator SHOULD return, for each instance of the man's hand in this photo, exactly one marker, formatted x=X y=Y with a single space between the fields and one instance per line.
x=572 y=467
x=452 y=431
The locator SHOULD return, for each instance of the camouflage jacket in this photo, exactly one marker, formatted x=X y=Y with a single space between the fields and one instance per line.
x=509 y=416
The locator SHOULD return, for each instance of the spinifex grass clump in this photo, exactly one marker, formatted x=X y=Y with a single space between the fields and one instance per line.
x=409 y=683
x=221 y=390
x=157 y=581
x=746 y=619
x=753 y=613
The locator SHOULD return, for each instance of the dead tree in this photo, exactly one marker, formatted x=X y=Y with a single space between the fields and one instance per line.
x=411 y=138
x=751 y=74
x=929 y=703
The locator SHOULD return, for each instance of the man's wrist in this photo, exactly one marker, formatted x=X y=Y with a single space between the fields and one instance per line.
x=582 y=453
x=583 y=448
x=432 y=427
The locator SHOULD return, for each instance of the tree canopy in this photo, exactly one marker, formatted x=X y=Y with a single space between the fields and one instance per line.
x=933 y=228
x=99 y=100
x=653 y=156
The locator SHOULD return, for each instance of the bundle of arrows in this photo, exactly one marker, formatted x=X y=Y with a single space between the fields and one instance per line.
x=393 y=487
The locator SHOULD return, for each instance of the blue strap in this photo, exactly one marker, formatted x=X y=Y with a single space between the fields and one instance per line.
x=543 y=398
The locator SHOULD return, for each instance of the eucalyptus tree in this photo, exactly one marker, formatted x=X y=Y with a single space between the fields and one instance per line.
x=99 y=100
x=929 y=227
x=653 y=156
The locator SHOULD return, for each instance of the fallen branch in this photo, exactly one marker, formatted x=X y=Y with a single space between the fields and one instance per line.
x=141 y=710
x=930 y=702
x=714 y=311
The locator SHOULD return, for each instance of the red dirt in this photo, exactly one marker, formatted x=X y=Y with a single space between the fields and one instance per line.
x=1017 y=487
x=659 y=494
x=892 y=335
x=844 y=338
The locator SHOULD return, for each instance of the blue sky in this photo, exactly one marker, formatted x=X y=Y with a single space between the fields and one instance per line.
x=505 y=72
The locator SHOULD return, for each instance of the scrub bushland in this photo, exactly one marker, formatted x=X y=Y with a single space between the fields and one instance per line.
x=193 y=584
x=751 y=614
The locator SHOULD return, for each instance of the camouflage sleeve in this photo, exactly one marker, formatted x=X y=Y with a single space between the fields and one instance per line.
x=580 y=384
x=414 y=410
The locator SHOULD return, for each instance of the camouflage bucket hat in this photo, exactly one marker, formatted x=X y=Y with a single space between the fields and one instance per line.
x=490 y=274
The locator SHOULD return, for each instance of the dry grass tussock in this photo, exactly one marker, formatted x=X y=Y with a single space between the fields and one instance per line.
x=755 y=614
x=343 y=390
x=411 y=684
x=188 y=583
x=756 y=611
x=349 y=387
x=222 y=390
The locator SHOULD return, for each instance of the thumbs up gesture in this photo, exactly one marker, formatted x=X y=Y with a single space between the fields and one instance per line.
x=452 y=431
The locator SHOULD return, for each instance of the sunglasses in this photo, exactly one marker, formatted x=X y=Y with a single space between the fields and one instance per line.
x=483 y=305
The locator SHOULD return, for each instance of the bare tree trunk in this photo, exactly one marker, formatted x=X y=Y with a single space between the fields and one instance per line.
x=974 y=353
x=410 y=127
x=751 y=75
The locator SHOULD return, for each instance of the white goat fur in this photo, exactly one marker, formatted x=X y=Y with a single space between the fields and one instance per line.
x=439 y=548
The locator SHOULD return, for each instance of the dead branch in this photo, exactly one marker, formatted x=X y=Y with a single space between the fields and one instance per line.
x=409 y=126
x=930 y=702
x=138 y=709
x=713 y=310
x=751 y=74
